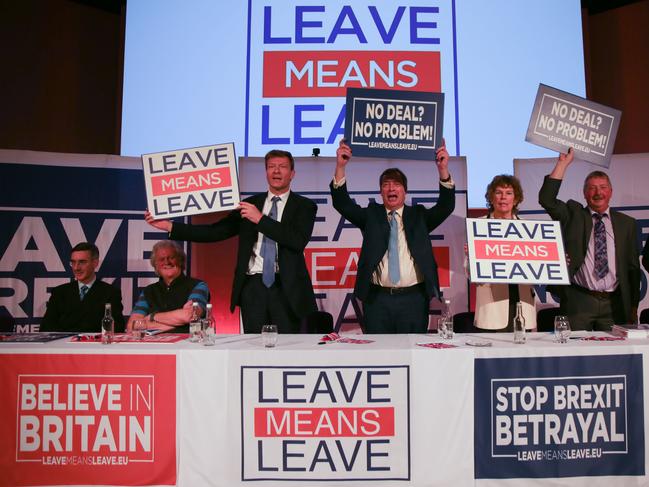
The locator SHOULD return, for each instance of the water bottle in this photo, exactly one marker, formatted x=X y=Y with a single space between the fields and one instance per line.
x=208 y=327
x=107 y=326
x=447 y=320
x=195 y=324
x=519 y=324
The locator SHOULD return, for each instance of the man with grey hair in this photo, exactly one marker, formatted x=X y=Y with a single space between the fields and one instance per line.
x=167 y=304
x=601 y=244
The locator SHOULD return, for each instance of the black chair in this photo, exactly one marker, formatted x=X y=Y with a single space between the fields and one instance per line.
x=463 y=322
x=320 y=322
x=644 y=316
x=545 y=318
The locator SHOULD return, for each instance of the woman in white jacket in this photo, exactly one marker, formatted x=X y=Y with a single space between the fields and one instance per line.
x=495 y=305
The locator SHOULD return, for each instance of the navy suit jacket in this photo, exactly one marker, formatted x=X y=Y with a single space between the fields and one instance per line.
x=418 y=222
x=577 y=225
x=292 y=235
x=66 y=312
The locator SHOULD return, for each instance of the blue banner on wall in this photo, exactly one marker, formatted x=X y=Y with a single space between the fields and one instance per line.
x=71 y=198
x=548 y=417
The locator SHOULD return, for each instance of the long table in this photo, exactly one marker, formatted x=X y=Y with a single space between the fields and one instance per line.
x=393 y=412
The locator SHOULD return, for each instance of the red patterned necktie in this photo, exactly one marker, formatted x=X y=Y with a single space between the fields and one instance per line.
x=601 y=255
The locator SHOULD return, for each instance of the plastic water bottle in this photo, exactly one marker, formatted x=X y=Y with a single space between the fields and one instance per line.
x=195 y=324
x=445 y=325
x=107 y=326
x=208 y=327
x=519 y=324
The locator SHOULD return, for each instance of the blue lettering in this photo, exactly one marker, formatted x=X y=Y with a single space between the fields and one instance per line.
x=347 y=13
x=339 y=127
x=301 y=24
x=260 y=389
x=265 y=125
x=268 y=38
x=260 y=459
x=415 y=25
x=299 y=124
x=388 y=35
x=371 y=386
x=371 y=454
x=285 y=376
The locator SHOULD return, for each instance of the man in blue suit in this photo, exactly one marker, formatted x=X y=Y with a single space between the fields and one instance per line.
x=397 y=272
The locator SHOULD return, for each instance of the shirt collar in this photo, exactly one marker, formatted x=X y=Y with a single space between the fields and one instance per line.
x=607 y=212
x=283 y=196
x=81 y=284
x=397 y=211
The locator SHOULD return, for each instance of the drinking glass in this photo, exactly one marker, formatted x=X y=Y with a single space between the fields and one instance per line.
x=139 y=328
x=561 y=329
x=269 y=335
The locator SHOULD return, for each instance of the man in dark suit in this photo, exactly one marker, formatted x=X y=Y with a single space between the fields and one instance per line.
x=397 y=272
x=79 y=304
x=271 y=281
x=602 y=251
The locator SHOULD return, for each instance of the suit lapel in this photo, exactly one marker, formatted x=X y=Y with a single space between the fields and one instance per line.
x=618 y=232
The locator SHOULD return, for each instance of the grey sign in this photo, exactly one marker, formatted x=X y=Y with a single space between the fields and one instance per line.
x=561 y=120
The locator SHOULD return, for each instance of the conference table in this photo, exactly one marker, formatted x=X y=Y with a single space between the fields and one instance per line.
x=389 y=410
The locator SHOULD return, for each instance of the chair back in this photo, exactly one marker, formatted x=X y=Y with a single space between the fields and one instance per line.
x=545 y=318
x=644 y=316
x=320 y=322
x=463 y=322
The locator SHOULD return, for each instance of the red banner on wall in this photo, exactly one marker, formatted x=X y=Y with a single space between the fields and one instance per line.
x=88 y=419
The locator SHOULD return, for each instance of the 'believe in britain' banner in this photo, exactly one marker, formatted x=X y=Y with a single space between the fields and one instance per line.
x=547 y=417
x=560 y=120
x=516 y=251
x=335 y=423
x=191 y=181
x=99 y=419
x=394 y=124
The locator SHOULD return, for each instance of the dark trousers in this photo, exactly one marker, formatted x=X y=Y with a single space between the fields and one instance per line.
x=591 y=311
x=405 y=312
x=261 y=305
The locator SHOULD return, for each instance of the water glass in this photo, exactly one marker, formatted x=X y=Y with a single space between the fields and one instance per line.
x=561 y=329
x=269 y=335
x=139 y=329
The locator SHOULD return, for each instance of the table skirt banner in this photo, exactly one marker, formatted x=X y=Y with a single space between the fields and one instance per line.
x=88 y=419
x=341 y=418
x=553 y=417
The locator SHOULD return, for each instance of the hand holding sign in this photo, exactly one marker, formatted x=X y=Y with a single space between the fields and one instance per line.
x=343 y=156
x=164 y=225
x=250 y=212
x=441 y=159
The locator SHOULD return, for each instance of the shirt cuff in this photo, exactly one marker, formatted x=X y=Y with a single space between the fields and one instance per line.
x=450 y=184
x=338 y=184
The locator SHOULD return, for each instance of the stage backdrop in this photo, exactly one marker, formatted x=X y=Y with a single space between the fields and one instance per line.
x=332 y=254
x=49 y=202
x=629 y=176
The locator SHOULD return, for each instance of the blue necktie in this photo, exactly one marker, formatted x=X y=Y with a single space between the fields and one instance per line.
x=601 y=253
x=269 y=249
x=393 y=249
x=83 y=291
